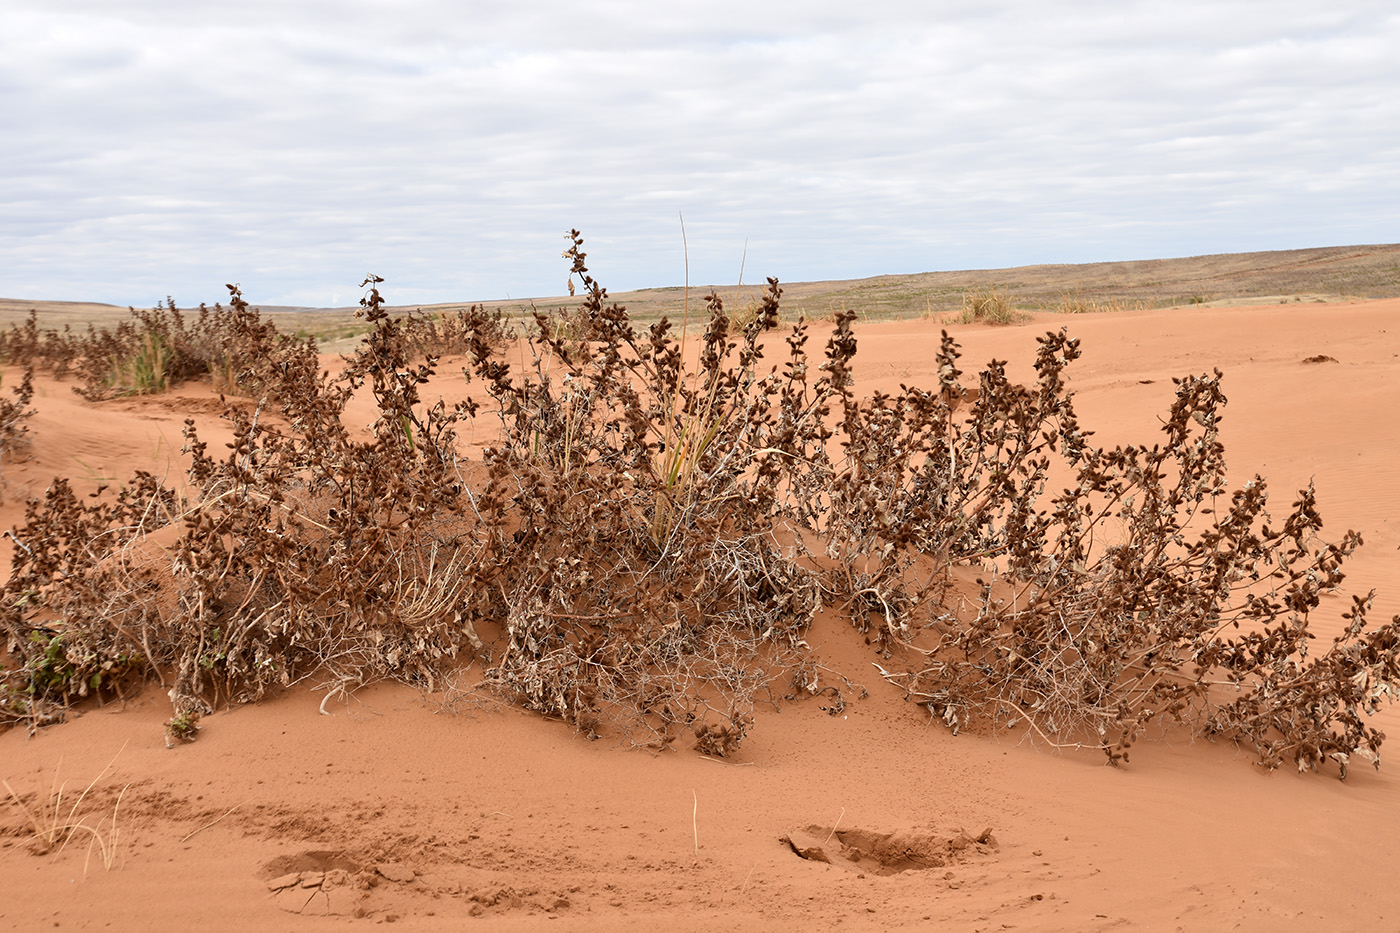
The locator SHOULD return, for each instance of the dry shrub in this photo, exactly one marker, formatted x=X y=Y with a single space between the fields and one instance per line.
x=450 y=333
x=569 y=327
x=24 y=344
x=1149 y=592
x=154 y=350
x=298 y=552
x=14 y=412
x=989 y=306
x=744 y=315
x=647 y=542
x=636 y=566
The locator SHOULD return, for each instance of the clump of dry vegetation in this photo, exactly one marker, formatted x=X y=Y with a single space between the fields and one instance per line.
x=450 y=333
x=1076 y=302
x=989 y=306
x=14 y=413
x=156 y=349
x=642 y=550
x=54 y=818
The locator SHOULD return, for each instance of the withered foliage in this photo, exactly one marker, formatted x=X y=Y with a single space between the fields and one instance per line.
x=155 y=349
x=662 y=517
x=26 y=344
x=14 y=413
x=451 y=333
x=1148 y=592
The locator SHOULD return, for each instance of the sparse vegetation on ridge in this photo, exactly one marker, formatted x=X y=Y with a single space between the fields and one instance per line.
x=642 y=550
x=1076 y=302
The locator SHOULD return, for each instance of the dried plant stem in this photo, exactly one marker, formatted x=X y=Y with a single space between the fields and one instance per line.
x=745 y=886
x=834 y=826
x=212 y=823
x=51 y=823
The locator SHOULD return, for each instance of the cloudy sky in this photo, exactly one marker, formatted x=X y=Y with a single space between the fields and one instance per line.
x=164 y=147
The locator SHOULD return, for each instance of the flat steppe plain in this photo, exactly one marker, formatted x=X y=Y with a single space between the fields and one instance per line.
x=1333 y=273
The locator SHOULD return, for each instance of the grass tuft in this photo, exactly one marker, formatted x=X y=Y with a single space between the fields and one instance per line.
x=54 y=822
x=145 y=370
x=989 y=306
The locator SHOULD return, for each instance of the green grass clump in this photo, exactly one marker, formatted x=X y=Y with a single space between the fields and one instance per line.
x=145 y=370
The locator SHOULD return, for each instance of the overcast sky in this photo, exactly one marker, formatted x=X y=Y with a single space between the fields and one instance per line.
x=168 y=146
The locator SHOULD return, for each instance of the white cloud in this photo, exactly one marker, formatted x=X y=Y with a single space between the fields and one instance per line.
x=166 y=147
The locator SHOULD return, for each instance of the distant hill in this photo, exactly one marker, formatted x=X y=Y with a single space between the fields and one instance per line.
x=1323 y=274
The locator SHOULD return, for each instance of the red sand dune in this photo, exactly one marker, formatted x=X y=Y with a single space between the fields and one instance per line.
x=504 y=817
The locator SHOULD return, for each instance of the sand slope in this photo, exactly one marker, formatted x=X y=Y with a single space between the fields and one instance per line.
x=397 y=808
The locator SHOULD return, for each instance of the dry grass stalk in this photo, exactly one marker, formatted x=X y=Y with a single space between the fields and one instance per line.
x=53 y=826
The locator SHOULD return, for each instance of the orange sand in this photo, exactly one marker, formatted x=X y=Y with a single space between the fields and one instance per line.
x=510 y=819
